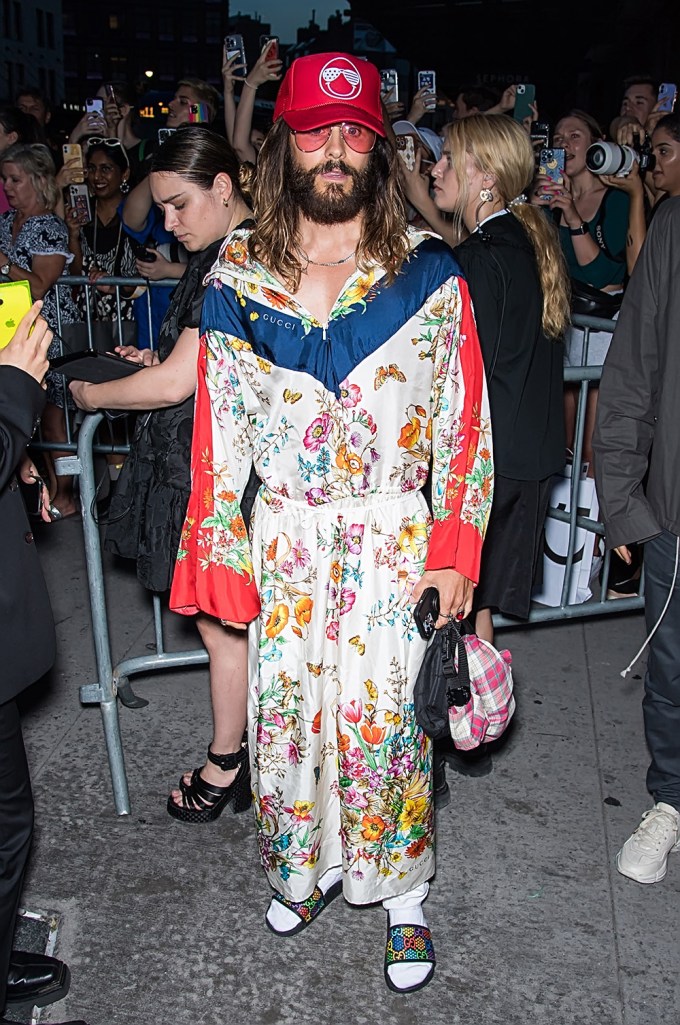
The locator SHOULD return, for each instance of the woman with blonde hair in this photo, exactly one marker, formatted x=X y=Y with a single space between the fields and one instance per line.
x=519 y=286
x=517 y=277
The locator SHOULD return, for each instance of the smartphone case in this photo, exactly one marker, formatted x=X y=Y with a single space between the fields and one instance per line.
x=524 y=97
x=15 y=301
x=668 y=92
x=551 y=164
x=93 y=366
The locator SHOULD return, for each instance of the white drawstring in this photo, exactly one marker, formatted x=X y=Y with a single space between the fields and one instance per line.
x=656 y=626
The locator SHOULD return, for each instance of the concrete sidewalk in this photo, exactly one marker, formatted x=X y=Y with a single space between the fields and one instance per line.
x=162 y=923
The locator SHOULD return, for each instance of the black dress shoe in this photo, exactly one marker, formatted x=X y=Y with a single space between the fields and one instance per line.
x=35 y=980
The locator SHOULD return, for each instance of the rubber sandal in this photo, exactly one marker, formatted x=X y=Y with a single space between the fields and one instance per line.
x=205 y=802
x=306 y=910
x=408 y=944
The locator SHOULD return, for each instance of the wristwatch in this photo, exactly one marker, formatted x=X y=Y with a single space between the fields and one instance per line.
x=581 y=230
x=5 y=269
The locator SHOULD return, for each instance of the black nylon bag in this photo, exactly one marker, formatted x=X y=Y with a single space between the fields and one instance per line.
x=443 y=681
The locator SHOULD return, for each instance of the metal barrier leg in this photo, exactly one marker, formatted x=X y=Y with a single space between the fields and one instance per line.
x=104 y=691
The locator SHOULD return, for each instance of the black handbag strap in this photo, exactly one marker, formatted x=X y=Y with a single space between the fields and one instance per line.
x=458 y=690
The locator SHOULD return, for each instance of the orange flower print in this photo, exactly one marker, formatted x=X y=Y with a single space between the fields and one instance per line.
x=270 y=554
x=238 y=528
x=344 y=742
x=374 y=827
x=349 y=460
x=316 y=724
x=276 y=299
x=303 y=610
x=336 y=572
x=428 y=429
x=484 y=453
x=372 y=734
x=226 y=496
x=486 y=487
x=237 y=253
x=208 y=498
x=410 y=433
x=415 y=849
x=277 y=621
x=301 y=810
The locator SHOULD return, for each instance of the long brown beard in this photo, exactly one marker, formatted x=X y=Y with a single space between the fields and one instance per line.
x=334 y=205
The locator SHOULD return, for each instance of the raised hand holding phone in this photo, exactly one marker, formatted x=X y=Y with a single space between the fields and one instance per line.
x=27 y=348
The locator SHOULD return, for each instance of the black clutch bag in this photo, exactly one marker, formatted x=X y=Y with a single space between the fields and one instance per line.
x=94 y=366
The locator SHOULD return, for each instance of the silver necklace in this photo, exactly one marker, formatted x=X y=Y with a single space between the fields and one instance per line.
x=330 y=263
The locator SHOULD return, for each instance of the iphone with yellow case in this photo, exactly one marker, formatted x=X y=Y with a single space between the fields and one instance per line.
x=15 y=301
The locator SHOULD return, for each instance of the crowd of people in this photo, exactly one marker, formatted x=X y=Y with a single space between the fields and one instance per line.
x=353 y=394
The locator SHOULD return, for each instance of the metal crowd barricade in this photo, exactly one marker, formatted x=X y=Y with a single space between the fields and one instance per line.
x=113 y=681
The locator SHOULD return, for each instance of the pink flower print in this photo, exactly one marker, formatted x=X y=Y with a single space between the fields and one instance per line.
x=299 y=554
x=350 y=395
x=264 y=737
x=278 y=720
x=317 y=432
x=317 y=496
x=371 y=424
x=332 y=630
x=354 y=538
x=353 y=797
x=347 y=599
x=355 y=439
x=293 y=754
x=352 y=711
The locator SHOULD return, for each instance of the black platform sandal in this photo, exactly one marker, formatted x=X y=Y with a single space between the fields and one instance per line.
x=204 y=802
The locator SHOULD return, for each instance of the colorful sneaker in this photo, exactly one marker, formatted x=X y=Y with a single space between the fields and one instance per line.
x=644 y=856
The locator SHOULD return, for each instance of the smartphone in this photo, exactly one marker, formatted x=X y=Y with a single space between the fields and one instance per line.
x=389 y=85
x=428 y=80
x=15 y=301
x=426 y=613
x=199 y=114
x=668 y=93
x=142 y=253
x=407 y=150
x=164 y=134
x=524 y=97
x=233 y=47
x=79 y=198
x=551 y=164
x=73 y=158
x=111 y=95
x=269 y=47
x=540 y=133
x=94 y=105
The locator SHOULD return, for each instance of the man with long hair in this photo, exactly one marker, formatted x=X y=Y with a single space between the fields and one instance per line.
x=340 y=356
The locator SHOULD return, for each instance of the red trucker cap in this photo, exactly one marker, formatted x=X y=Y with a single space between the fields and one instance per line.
x=325 y=88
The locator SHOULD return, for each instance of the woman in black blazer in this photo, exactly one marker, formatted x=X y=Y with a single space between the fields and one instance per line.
x=516 y=274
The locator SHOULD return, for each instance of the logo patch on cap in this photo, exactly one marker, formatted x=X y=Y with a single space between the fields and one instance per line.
x=340 y=79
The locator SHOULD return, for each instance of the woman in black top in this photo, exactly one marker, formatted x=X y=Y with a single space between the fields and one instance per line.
x=195 y=180
x=517 y=278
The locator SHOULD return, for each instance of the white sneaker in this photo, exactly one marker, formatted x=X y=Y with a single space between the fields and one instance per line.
x=644 y=856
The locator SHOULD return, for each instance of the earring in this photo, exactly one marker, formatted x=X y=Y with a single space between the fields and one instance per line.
x=225 y=202
x=125 y=187
x=486 y=196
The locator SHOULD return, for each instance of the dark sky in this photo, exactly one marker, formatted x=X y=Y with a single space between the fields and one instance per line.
x=286 y=16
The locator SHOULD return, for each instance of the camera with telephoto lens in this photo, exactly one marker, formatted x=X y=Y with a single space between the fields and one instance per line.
x=611 y=158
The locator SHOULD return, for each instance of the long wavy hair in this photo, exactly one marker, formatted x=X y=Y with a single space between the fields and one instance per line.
x=501 y=148
x=36 y=160
x=276 y=237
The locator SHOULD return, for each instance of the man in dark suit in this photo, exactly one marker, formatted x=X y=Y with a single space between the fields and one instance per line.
x=27 y=649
